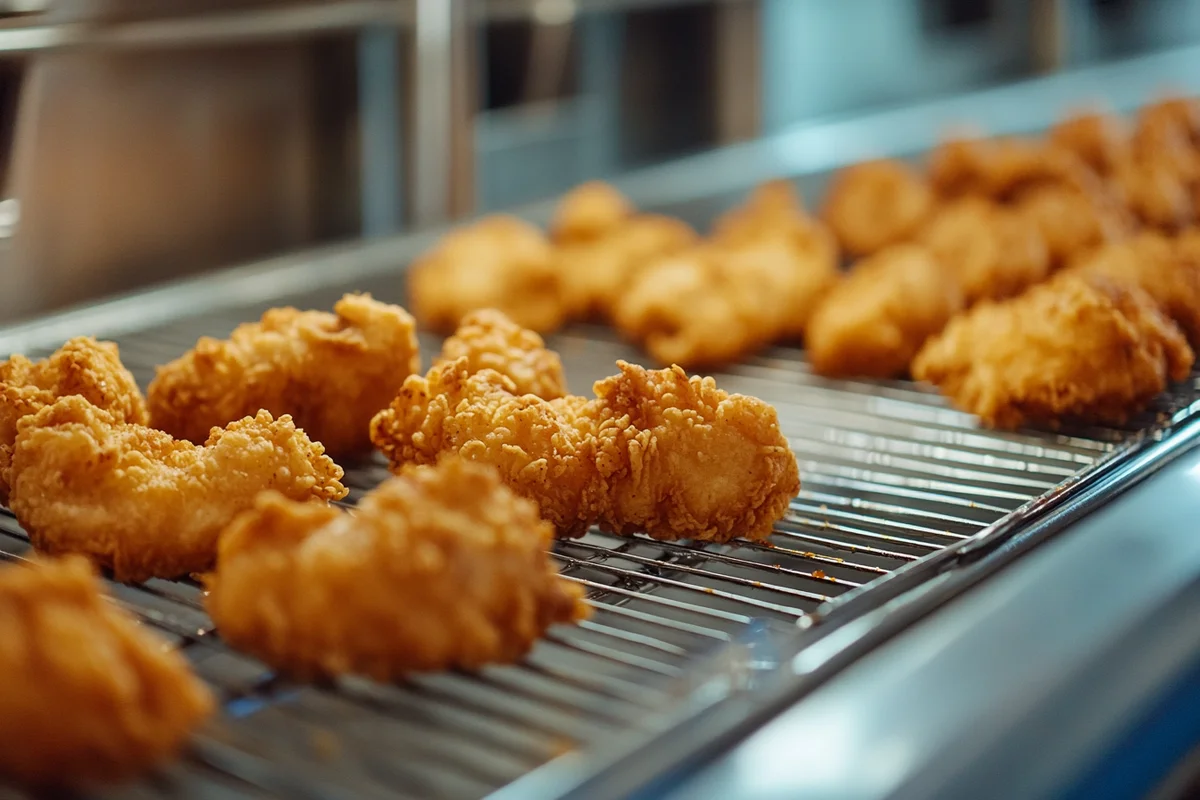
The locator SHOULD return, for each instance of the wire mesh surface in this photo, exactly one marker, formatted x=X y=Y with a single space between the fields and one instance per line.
x=890 y=474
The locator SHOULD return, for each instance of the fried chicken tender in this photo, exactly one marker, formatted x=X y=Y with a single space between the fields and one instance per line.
x=1002 y=168
x=1071 y=220
x=1100 y=140
x=1157 y=266
x=440 y=568
x=83 y=367
x=993 y=251
x=772 y=206
x=877 y=203
x=595 y=273
x=91 y=696
x=1073 y=349
x=146 y=505
x=654 y=451
x=589 y=212
x=876 y=319
x=330 y=372
x=1155 y=190
x=489 y=340
x=498 y=262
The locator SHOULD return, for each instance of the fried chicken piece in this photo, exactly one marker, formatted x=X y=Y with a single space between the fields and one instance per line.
x=1157 y=266
x=83 y=367
x=1100 y=140
x=589 y=212
x=1002 y=168
x=655 y=451
x=146 y=505
x=1167 y=118
x=993 y=251
x=771 y=206
x=877 y=203
x=1073 y=349
x=595 y=273
x=330 y=372
x=92 y=696
x=440 y=568
x=1156 y=191
x=498 y=262
x=1071 y=220
x=876 y=319
x=489 y=340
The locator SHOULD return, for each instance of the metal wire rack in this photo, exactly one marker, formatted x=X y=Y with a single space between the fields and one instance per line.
x=890 y=473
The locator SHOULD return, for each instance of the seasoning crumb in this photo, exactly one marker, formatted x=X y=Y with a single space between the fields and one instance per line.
x=818 y=573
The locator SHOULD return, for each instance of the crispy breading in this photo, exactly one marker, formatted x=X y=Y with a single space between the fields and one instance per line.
x=498 y=262
x=1157 y=266
x=1075 y=349
x=874 y=321
x=876 y=203
x=330 y=372
x=1099 y=139
x=588 y=212
x=1155 y=190
x=991 y=250
x=1002 y=168
x=596 y=272
x=655 y=451
x=1072 y=220
x=490 y=340
x=90 y=696
x=83 y=367
x=769 y=207
x=440 y=568
x=146 y=505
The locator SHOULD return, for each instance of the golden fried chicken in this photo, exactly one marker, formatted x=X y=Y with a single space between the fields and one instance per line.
x=83 y=367
x=1100 y=140
x=1156 y=192
x=1157 y=266
x=1002 y=168
x=1072 y=220
x=1074 y=349
x=595 y=273
x=1168 y=118
x=91 y=697
x=440 y=568
x=498 y=262
x=146 y=505
x=993 y=251
x=655 y=451
x=330 y=372
x=876 y=319
x=772 y=206
x=877 y=203
x=489 y=340
x=588 y=212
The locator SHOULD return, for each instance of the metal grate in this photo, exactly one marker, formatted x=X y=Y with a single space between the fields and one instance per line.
x=890 y=474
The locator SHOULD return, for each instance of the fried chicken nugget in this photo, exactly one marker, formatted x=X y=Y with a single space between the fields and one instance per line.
x=490 y=340
x=1073 y=349
x=588 y=212
x=993 y=251
x=655 y=451
x=1073 y=221
x=595 y=273
x=440 y=568
x=84 y=367
x=1002 y=168
x=1100 y=140
x=91 y=696
x=146 y=505
x=877 y=203
x=876 y=319
x=330 y=372
x=1157 y=266
x=498 y=262
x=772 y=206
x=1155 y=190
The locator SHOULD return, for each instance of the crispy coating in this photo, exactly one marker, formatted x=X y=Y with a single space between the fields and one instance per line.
x=655 y=451
x=771 y=206
x=588 y=212
x=1073 y=221
x=1003 y=168
x=1155 y=190
x=876 y=319
x=490 y=340
x=1170 y=274
x=146 y=505
x=993 y=251
x=1100 y=140
x=83 y=367
x=498 y=262
x=1074 y=349
x=440 y=568
x=596 y=273
x=330 y=372
x=877 y=203
x=91 y=697
x=1168 y=118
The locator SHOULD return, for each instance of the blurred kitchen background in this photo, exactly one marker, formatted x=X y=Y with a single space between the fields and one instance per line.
x=146 y=139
